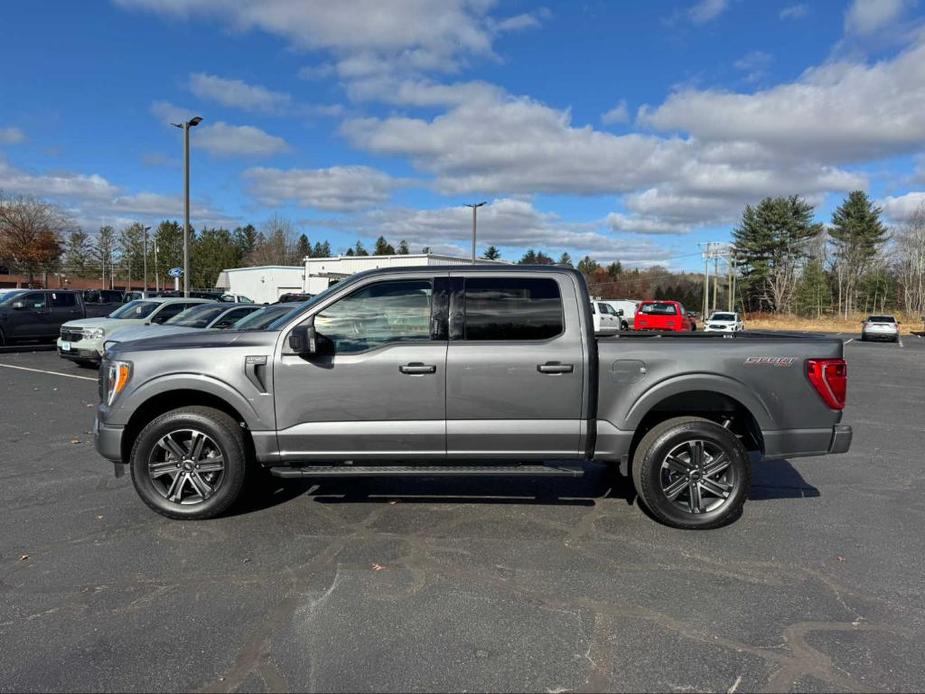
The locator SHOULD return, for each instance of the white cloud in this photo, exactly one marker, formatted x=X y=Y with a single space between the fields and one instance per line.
x=899 y=209
x=94 y=201
x=238 y=94
x=509 y=223
x=797 y=11
x=223 y=140
x=418 y=92
x=754 y=64
x=11 y=136
x=437 y=35
x=618 y=114
x=838 y=112
x=707 y=10
x=868 y=16
x=336 y=189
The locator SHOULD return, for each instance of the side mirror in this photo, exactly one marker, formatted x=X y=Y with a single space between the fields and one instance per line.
x=619 y=311
x=18 y=305
x=304 y=339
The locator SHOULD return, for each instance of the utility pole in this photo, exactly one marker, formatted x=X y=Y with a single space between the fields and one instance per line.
x=715 y=280
x=706 y=283
x=144 y=260
x=475 y=207
x=185 y=126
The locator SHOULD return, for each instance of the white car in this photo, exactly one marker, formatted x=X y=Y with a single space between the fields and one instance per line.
x=206 y=316
x=880 y=328
x=236 y=299
x=82 y=340
x=626 y=309
x=605 y=316
x=723 y=322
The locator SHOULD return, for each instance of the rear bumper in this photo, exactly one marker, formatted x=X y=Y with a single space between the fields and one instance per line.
x=796 y=443
x=108 y=441
x=841 y=439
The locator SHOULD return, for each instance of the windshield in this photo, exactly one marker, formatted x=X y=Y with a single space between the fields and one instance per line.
x=881 y=319
x=259 y=320
x=723 y=316
x=135 y=309
x=7 y=298
x=197 y=316
x=658 y=309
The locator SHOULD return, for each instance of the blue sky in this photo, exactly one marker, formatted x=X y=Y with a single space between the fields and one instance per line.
x=627 y=131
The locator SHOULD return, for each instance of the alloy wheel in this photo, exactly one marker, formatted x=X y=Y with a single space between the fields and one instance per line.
x=697 y=476
x=186 y=466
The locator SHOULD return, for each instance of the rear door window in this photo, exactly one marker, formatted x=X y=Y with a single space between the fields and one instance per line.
x=63 y=300
x=658 y=308
x=512 y=308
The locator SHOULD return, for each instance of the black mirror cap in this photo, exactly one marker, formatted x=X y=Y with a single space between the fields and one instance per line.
x=303 y=339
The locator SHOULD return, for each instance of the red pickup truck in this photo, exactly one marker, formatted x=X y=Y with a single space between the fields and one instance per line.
x=663 y=315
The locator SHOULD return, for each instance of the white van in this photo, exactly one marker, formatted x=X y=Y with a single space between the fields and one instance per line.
x=628 y=307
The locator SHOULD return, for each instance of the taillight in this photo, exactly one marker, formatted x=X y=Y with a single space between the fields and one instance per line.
x=830 y=379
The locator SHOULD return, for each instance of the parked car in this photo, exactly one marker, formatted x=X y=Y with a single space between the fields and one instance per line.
x=236 y=299
x=417 y=370
x=663 y=315
x=724 y=322
x=133 y=295
x=81 y=341
x=880 y=328
x=605 y=317
x=101 y=302
x=205 y=316
x=37 y=314
x=626 y=309
x=292 y=297
x=262 y=318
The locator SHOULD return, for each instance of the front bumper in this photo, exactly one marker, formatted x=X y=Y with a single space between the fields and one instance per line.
x=108 y=440
x=84 y=350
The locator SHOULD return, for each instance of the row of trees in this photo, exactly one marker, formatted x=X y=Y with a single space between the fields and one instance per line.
x=790 y=263
x=785 y=261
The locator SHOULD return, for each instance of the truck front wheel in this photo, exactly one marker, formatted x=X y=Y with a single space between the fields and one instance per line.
x=189 y=463
x=691 y=473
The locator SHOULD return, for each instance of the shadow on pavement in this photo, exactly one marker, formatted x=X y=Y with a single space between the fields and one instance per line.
x=770 y=480
x=28 y=347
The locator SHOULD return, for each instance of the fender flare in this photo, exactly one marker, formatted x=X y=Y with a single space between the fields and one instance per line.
x=686 y=383
x=201 y=383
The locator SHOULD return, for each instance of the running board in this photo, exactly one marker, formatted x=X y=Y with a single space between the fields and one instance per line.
x=427 y=471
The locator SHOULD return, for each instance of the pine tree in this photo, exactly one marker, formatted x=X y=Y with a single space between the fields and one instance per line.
x=213 y=251
x=614 y=270
x=360 y=249
x=383 y=247
x=857 y=235
x=771 y=240
x=492 y=253
x=403 y=247
x=303 y=249
x=528 y=258
x=565 y=259
x=588 y=265
x=245 y=239
x=78 y=255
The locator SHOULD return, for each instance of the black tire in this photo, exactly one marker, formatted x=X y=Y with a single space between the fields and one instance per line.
x=226 y=438
x=2 y=339
x=624 y=326
x=652 y=471
x=863 y=337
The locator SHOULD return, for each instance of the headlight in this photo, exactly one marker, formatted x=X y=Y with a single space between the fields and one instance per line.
x=117 y=375
x=94 y=333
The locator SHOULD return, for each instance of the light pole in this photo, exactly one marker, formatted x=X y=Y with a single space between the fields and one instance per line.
x=475 y=207
x=191 y=123
x=144 y=260
x=157 y=281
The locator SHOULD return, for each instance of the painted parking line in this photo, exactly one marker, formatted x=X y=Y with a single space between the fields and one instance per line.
x=850 y=339
x=43 y=371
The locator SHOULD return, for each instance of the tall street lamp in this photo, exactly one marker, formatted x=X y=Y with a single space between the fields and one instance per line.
x=475 y=207
x=144 y=260
x=191 y=123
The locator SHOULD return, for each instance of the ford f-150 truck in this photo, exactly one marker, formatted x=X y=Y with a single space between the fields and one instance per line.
x=466 y=370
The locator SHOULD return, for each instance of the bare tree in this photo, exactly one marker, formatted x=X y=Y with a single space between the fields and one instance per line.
x=30 y=234
x=909 y=261
x=276 y=244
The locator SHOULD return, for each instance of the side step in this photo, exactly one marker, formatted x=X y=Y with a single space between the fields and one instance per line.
x=427 y=471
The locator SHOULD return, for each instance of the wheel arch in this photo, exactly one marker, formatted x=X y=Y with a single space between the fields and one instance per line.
x=166 y=401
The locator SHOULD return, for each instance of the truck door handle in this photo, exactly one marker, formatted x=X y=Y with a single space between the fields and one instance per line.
x=417 y=367
x=554 y=367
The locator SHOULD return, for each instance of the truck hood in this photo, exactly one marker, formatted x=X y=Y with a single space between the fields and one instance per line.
x=101 y=322
x=141 y=332
x=200 y=339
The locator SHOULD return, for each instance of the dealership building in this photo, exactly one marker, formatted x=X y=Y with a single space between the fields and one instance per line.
x=266 y=283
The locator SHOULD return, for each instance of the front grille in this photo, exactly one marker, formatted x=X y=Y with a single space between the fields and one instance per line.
x=72 y=334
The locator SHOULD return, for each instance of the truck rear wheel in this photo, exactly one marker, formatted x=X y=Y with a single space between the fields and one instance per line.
x=189 y=463
x=691 y=473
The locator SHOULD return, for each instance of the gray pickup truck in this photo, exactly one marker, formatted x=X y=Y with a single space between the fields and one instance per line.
x=465 y=370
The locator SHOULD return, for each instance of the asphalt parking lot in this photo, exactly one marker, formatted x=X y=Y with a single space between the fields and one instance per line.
x=431 y=585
